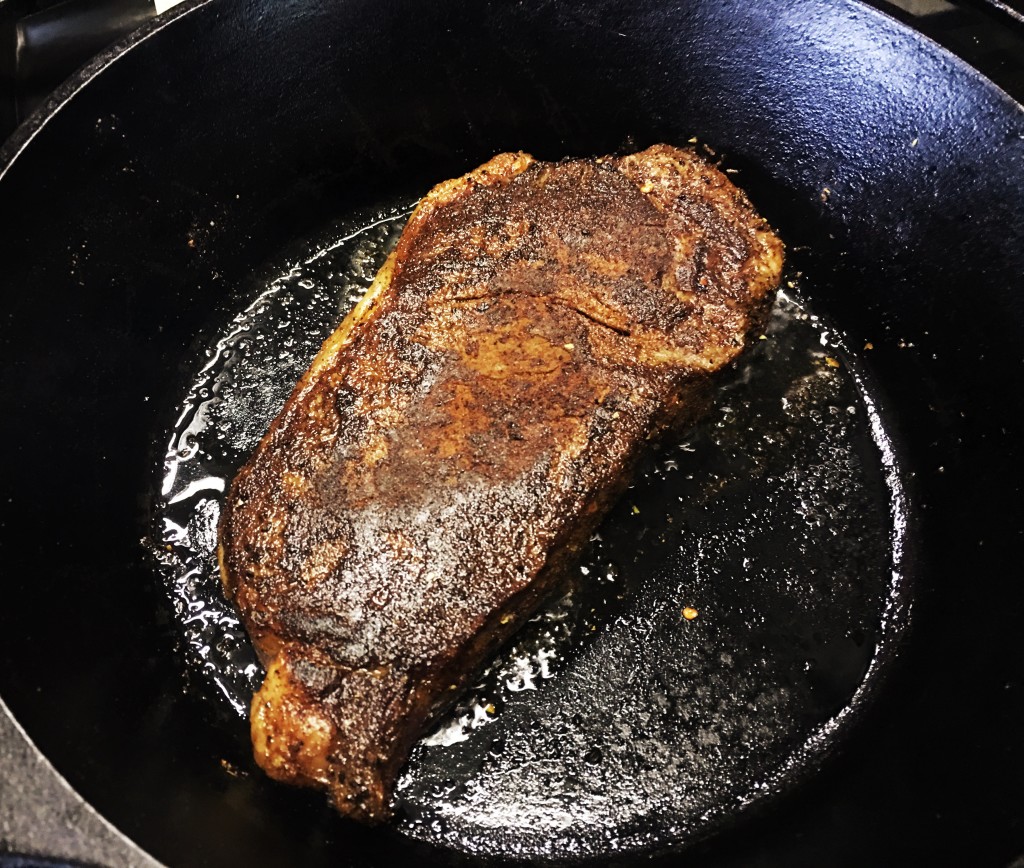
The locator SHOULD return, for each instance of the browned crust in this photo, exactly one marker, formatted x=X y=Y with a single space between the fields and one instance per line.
x=459 y=436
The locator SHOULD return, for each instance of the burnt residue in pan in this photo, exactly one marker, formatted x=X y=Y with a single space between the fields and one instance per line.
x=727 y=622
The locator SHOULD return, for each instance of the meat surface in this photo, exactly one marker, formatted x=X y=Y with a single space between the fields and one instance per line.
x=439 y=467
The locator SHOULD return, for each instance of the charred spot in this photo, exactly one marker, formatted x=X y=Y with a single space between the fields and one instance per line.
x=344 y=400
x=412 y=353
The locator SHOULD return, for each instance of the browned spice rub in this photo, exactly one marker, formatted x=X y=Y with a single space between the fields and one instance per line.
x=453 y=445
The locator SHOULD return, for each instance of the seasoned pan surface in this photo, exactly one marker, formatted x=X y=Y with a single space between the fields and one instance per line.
x=615 y=723
x=219 y=139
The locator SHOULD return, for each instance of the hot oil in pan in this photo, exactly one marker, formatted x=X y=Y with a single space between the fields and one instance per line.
x=726 y=624
x=240 y=384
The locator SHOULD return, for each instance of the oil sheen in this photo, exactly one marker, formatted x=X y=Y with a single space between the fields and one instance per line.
x=726 y=625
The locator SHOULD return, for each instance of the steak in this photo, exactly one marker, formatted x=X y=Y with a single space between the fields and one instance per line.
x=437 y=470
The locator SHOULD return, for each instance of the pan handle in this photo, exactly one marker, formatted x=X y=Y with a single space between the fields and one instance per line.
x=53 y=43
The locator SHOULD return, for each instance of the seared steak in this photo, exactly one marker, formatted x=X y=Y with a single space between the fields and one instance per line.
x=438 y=468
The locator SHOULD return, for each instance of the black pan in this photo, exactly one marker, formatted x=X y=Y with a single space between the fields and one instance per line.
x=180 y=174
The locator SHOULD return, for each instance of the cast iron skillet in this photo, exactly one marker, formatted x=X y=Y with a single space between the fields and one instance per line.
x=245 y=124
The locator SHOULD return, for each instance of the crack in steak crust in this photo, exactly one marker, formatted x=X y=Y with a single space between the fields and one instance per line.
x=453 y=445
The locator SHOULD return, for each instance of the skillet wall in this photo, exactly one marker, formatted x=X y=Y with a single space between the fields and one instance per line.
x=158 y=188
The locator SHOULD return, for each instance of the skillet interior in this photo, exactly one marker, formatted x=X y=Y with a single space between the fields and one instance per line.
x=243 y=125
x=612 y=723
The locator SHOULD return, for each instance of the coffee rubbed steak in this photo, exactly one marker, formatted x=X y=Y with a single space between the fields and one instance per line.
x=437 y=470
